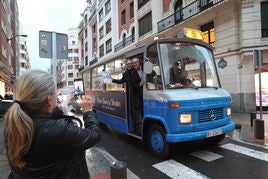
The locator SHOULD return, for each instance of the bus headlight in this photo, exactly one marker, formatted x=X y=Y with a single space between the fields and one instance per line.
x=228 y=111
x=185 y=118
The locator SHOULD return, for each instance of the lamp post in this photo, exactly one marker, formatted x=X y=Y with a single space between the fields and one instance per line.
x=8 y=39
x=15 y=62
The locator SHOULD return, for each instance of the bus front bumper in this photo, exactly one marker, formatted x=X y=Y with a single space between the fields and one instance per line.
x=190 y=136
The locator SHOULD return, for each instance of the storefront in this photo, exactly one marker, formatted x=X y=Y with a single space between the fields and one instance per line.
x=264 y=87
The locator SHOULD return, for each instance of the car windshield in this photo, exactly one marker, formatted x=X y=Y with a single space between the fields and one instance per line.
x=188 y=65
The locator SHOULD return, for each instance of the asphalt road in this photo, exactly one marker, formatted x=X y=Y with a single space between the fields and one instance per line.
x=230 y=159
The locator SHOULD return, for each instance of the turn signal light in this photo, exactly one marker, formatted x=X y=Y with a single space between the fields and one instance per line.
x=174 y=105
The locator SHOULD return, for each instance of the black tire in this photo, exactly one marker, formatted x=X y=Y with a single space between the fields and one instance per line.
x=157 y=141
x=215 y=140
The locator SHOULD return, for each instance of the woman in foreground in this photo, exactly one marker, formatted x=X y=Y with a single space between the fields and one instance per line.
x=41 y=143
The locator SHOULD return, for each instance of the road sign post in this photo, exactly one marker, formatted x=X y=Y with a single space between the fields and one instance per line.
x=258 y=125
x=54 y=46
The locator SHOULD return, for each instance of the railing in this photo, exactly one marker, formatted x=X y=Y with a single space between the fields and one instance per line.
x=93 y=61
x=188 y=11
x=124 y=43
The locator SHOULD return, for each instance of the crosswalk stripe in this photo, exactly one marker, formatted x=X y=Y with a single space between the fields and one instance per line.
x=206 y=155
x=176 y=170
x=246 y=151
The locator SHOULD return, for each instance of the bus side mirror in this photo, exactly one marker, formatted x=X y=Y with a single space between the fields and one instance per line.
x=148 y=67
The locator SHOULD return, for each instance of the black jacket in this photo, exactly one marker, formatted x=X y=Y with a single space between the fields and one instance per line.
x=58 y=149
x=126 y=78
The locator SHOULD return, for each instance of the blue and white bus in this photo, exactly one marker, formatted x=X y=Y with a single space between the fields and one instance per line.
x=171 y=113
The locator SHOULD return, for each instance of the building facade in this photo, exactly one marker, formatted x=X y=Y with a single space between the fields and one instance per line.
x=24 y=60
x=9 y=51
x=235 y=28
x=68 y=68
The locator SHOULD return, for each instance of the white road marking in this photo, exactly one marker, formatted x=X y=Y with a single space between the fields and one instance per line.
x=206 y=155
x=176 y=170
x=246 y=151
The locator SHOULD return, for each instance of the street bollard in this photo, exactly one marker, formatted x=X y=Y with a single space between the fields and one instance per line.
x=252 y=117
x=258 y=128
x=119 y=170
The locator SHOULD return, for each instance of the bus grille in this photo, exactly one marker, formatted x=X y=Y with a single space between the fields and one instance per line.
x=210 y=115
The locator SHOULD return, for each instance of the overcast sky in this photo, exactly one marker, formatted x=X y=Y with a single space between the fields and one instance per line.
x=49 y=15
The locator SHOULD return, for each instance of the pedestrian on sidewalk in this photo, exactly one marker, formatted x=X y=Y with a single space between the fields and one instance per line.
x=41 y=143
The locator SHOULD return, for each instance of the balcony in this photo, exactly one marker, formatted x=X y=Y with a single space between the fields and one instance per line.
x=185 y=13
x=124 y=43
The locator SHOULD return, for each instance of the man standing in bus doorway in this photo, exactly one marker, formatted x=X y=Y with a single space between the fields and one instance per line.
x=137 y=98
x=126 y=78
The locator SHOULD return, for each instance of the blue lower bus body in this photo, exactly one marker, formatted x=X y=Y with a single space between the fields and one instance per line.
x=198 y=135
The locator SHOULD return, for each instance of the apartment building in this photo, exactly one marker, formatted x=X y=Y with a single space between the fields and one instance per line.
x=233 y=27
x=9 y=52
x=68 y=68
x=24 y=61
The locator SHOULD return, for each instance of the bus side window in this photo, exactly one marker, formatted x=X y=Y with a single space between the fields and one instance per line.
x=154 y=80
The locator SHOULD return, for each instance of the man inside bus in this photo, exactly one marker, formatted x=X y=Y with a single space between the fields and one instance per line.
x=137 y=102
x=175 y=74
x=126 y=78
x=126 y=75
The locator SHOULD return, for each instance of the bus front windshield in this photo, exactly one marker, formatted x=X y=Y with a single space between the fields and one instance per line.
x=188 y=65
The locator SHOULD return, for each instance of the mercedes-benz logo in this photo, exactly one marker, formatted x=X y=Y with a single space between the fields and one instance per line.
x=212 y=114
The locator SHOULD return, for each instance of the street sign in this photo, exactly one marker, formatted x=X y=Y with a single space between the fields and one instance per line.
x=258 y=58
x=61 y=46
x=48 y=45
x=45 y=44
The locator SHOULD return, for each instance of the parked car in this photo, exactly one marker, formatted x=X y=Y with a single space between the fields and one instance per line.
x=4 y=105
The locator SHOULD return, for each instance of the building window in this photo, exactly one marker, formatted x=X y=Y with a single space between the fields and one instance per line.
x=101 y=15
x=101 y=32
x=141 y=3
x=76 y=50
x=70 y=75
x=94 y=29
x=85 y=18
x=86 y=60
x=264 y=17
x=101 y=50
x=85 y=32
x=123 y=17
x=73 y=42
x=86 y=47
x=108 y=45
x=107 y=7
x=70 y=83
x=145 y=24
x=108 y=26
x=131 y=10
x=208 y=33
x=70 y=67
x=94 y=43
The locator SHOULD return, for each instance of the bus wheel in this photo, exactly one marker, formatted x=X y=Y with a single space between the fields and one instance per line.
x=215 y=140
x=157 y=141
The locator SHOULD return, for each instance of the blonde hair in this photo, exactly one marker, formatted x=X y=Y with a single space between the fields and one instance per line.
x=31 y=92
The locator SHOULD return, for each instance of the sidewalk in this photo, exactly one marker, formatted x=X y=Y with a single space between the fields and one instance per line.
x=100 y=163
x=246 y=130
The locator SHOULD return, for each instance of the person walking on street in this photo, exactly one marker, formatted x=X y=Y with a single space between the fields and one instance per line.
x=41 y=143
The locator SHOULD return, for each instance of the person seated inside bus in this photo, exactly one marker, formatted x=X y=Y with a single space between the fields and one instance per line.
x=175 y=74
x=183 y=80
